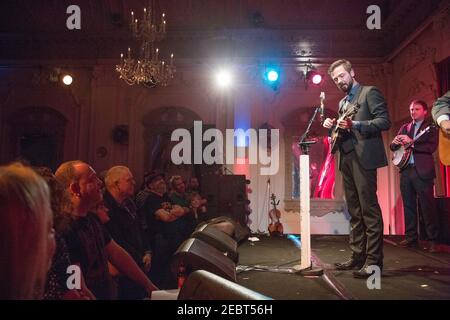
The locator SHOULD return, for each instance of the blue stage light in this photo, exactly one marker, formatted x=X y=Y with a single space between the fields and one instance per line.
x=272 y=75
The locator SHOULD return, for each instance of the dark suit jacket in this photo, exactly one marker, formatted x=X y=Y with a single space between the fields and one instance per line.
x=374 y=118
x=441 y=106
x=423 y=149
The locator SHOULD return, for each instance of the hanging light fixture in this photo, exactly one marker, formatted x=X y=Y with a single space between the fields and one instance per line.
x=147 y=69
x=310 y=74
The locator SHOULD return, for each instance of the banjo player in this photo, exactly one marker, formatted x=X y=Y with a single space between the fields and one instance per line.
x=417 y=175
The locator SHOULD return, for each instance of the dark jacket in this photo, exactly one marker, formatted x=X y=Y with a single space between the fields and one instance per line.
x=374 y=118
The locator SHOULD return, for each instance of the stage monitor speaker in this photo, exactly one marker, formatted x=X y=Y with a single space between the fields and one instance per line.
x=196 y=254
x=239 y=232
x=218 y=239
x=204 y=285
x=225 y=226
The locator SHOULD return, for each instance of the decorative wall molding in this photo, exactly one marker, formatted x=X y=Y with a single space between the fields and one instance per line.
x=416 y=54
x=442 y=22
x=420 y=88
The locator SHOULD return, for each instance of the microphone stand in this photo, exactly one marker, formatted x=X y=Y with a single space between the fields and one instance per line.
x=306 y=267
x=305 y=144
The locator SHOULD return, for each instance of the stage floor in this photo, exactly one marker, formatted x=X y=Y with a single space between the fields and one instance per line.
x=408 y=273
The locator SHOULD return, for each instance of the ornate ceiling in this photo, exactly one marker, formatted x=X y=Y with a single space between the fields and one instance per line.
x=211 y=28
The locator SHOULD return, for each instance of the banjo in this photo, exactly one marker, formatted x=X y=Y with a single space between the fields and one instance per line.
x=401 y=156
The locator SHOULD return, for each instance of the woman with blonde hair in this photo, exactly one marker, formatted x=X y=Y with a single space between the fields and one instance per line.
x=27 y=241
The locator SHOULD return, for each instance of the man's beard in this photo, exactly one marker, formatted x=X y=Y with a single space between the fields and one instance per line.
x=349 y=87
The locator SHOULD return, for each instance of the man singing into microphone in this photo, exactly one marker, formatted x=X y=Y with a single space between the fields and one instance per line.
x=361 y=153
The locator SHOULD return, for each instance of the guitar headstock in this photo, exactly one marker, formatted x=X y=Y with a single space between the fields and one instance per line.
x=352 y=109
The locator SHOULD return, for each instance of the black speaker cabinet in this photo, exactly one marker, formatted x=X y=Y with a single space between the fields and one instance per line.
x=226 y=195
x=204 y=285
x=196 y=254
x=218 y=239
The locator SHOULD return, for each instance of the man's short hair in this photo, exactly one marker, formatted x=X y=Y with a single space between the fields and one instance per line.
x=114 y=174
x=347 y=65
x=422 y=103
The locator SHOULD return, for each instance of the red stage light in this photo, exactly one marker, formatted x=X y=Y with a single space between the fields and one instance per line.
x=317 y=79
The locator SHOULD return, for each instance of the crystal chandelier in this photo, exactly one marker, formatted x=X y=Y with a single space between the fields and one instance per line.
x=148 y=69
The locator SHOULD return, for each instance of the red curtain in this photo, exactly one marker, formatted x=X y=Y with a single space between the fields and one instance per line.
x=443 y=76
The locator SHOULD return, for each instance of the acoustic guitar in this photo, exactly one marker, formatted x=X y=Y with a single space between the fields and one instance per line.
x=444 y=148
x=336 y=132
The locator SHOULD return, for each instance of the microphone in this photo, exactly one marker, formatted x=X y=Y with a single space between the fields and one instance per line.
x=322 y=107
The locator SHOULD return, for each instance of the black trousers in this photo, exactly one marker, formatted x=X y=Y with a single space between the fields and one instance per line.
x=414 y=189
x=366 y=222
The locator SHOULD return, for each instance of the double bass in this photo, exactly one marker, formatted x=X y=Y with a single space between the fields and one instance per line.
x=275 y=226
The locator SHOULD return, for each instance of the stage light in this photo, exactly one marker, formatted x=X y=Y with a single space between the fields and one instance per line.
x=223 y=78
x=272 y=75
x=315 y=77
x=310 y=74
x=67 y=79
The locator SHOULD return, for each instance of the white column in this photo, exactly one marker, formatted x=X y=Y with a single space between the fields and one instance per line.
x=305 y=227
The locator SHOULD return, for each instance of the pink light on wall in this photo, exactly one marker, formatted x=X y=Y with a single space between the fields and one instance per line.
x=241 y=166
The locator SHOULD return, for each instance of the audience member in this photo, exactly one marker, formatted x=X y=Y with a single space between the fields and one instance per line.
x=125 y=226
x=162 y=229
x=90 y=245
x=56 y=285
x=27 y=241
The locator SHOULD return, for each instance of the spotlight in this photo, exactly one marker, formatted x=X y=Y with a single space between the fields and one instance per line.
x=315 y=77
x=272 y=77
x=309 y=74
x=67 y=79
x=223 y=78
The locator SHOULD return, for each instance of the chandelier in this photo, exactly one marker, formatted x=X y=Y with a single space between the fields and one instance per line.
x=148 y=69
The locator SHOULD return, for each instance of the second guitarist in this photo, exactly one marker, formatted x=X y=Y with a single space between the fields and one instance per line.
x=361 y=152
